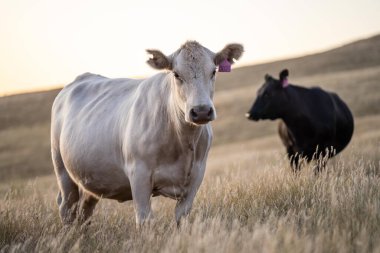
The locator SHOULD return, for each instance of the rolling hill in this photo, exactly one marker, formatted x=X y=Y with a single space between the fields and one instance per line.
x=352 y=70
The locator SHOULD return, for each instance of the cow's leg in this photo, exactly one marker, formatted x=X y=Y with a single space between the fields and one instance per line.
x=185 y=204
x=294 y=161
x=320 y=165
x=68 y=194
x=87 y=206
x=70 y=198
x=183 y=207
x=141 y=185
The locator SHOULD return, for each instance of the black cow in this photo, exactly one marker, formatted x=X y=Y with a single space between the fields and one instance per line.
x=314 y=122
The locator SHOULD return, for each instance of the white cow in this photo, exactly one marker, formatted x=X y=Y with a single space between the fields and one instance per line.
x=127 y=139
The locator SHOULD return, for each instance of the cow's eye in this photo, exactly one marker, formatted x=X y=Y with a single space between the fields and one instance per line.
x=266 y=95
x=177 y=76
x=213 y=73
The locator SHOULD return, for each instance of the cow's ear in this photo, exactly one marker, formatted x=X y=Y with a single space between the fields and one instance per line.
x=284 y=78
x=267 y=77
x=283 y=75
x=158 y=60
x=229 y=52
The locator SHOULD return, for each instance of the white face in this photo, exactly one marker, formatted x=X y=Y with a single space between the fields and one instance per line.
x=193 y=69
x=194 y=73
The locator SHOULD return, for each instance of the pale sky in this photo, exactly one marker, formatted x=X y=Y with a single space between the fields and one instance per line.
x=47 y=43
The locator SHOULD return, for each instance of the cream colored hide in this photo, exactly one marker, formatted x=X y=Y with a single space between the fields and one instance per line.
x=127 y=139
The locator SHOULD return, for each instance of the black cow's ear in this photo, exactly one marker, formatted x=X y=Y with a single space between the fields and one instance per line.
x=284 y=78
x=284 y=74
x=267 y=77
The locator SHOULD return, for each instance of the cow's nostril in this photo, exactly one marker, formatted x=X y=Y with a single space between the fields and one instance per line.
x=210 y=112
x=193 y=114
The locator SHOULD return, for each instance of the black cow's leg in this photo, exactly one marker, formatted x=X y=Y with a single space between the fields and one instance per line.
x=320 y=166
x=294 y=161
x=321 y=158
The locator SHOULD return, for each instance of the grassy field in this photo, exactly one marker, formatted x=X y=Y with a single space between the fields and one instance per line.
x=249 y=201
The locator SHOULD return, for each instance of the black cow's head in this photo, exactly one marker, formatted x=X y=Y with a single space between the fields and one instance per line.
x=271 y=98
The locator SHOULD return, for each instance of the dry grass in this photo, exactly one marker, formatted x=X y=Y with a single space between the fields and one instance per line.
x=25 y=152
x=255 y=206
x=249 y=200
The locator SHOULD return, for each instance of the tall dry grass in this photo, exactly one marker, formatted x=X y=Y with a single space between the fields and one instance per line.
x=253 y=207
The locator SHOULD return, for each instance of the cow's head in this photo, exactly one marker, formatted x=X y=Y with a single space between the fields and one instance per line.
x=193 y=68
x=271 y=101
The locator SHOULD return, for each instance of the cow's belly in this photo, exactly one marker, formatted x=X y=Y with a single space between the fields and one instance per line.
x=176 y=192
x=102 y=179
x=171 y=180
x=111 y=183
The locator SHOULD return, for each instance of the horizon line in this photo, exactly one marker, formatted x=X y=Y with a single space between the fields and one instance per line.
x=51 y=87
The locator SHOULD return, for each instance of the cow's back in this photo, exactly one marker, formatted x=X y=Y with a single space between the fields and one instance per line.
x=91 y=101
x=89 y=90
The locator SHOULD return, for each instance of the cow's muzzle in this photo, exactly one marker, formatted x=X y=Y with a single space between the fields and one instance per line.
x=252 y=116
x=202 y=114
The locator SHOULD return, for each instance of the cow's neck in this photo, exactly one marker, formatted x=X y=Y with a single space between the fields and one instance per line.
x=186 y=133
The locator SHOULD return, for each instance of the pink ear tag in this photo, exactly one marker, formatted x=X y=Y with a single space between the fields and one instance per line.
x=285 y=83
x=225 y=66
